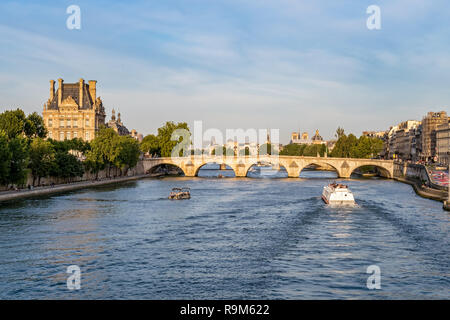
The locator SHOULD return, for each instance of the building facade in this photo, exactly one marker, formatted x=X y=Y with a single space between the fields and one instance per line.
x=443 y=143
x=73 y=111
x=303 y=138
x=117 y=125
x=400 y=141
x=429 y=126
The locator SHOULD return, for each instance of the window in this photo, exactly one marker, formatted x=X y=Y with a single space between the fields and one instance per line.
x=68 y=135
x=68 y=123
x=75 y=134
x=50 y=122
x=50 y=135
x=87 y=135
x=61 y=136
x=87 y=122
x=61 y=123
x=75 y=123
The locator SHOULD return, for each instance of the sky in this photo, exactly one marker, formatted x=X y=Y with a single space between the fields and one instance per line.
x=284 y=64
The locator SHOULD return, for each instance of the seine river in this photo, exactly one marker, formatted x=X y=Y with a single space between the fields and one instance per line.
x=251 y=238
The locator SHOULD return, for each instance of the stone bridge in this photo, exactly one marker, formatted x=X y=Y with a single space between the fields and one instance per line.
x=293 y=164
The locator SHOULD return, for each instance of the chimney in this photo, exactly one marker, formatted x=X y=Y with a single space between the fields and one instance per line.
x=80 y=102
x=93 y=89
x=60 y=91
x=52 y=89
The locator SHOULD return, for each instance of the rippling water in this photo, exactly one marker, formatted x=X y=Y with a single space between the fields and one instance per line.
x=251 y=238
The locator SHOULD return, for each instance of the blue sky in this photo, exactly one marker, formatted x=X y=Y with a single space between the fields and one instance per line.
x=287 y=64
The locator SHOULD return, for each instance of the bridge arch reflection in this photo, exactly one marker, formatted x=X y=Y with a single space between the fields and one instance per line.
x=266 y=169
x=318 y=166
x=222 y=170
x=165 y=168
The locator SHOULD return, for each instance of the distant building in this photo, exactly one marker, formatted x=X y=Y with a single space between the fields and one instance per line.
x=401 y=139
x=317 y=138
x=303 y=138
x=374 y=134
x=404 y=138
x=138 y=136
x=429 y=126
x=73 y=111
x=117 y=125
x=443 y=143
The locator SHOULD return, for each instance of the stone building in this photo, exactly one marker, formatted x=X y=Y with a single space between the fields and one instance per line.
x=138 y=136
x=73 y=111
x=302 y=138
x=375 y=134
x=401 y=139
x=443 y=143
x=429 y=125
x=317 y=138
x=117 y=125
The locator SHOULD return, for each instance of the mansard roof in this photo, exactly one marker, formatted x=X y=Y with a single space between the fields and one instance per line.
x=73 y=90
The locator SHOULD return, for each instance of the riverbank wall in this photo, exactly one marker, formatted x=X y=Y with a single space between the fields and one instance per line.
x=88 y=179
x=447 y=205
x=87 y=176
x=419 y=178
x=10 y=196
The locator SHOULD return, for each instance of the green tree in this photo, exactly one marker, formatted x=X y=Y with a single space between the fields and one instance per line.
x=362 y=149
x=42 y=157
x=339 y=132
x=67 y=166
x=244 y=152
x=5 y=159
x=34 y=126
x=127 y=152
x=108 y=150
x=315 y=149
x=103 y=150
x=376 y=146
x=267 y=149
x=94 y=162
x=12 y=122
x=166 y=143
x=293 y=149
x=352 y=147
x=219 y=151
x=18 y=147
x=151 y=145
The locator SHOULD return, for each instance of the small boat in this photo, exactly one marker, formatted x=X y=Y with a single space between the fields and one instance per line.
x=336 y=193
x=180 y=194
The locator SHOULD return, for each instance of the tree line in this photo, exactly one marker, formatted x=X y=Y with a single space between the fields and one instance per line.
x=346 y=147
x=24 y=150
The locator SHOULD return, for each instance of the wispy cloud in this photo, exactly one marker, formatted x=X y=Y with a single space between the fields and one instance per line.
x=285 y=64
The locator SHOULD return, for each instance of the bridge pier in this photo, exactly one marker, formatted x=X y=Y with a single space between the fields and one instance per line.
x=189 y=169
x=293 y=172
x=240 y=170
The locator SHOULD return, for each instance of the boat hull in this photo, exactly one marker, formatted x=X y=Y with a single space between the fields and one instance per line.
x=337 y=196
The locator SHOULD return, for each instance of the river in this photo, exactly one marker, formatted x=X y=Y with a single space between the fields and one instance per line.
x=265 y=237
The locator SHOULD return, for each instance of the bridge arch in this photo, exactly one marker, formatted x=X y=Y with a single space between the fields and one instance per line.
x=164 y=167
x=322 y=164
x=384 y=172
x=279 y=164
x=220 y=164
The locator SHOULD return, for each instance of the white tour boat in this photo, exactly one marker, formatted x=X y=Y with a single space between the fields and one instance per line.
x=336 y=193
